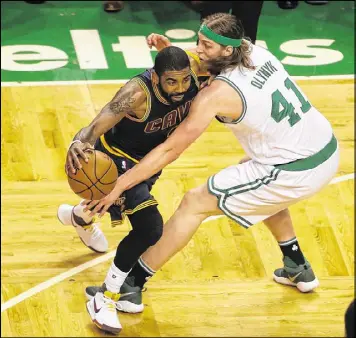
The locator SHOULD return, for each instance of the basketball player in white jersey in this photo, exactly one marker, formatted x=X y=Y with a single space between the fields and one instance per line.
x=291 y=152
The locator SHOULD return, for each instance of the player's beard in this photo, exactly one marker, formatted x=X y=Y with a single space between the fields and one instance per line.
x=167 y=96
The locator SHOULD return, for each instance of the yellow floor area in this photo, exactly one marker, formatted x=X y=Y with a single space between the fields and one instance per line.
x=219 y=285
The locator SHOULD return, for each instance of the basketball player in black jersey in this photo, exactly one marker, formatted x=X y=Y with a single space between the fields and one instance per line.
x=141 y=116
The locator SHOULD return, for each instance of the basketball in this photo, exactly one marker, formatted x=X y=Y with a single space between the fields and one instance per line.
x=96 y=179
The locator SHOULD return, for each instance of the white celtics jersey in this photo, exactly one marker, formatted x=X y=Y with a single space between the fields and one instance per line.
x=278 y=124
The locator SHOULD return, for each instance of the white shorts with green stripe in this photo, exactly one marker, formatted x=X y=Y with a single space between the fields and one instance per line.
x=250 y=192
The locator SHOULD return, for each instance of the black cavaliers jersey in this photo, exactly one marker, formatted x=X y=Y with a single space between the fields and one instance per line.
x=134 y=138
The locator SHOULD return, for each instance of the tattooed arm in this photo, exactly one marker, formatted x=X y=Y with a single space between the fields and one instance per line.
x=130 y=99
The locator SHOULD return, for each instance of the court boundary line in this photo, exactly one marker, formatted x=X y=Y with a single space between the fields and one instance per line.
x=122 y=81
x=61 y=277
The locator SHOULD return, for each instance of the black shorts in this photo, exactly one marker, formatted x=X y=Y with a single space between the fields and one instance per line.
x=131 y=200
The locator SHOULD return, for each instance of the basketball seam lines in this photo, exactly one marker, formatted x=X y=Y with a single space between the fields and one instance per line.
x=98 y=179
x=87 y=187
x=92 y=184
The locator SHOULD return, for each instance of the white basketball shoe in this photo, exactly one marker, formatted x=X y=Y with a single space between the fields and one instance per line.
x=102 y=311
x=88 y=231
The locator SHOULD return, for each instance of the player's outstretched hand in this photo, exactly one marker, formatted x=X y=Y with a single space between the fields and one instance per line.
x=159 y=41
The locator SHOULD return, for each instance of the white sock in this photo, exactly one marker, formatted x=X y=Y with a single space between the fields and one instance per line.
x=115 y=278
x=78 y=211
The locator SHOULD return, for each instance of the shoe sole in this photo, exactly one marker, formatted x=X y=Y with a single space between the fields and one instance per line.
x=301 y=286
x=124 y=306
x=128 y=307
x=103 y=327
x=91 y=248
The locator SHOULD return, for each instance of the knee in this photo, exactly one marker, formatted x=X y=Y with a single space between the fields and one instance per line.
x=194 y=199
x=154 y=229
x=191 y=197
x=155 y=234
x=200 y=202
x=148 y=224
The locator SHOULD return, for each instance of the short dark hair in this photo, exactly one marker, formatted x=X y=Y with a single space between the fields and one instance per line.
x=171 y=58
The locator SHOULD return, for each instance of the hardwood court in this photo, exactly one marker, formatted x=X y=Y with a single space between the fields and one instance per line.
x=219 y=285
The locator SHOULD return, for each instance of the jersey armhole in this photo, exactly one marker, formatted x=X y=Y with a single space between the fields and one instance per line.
x=243 y=99
x=148 y=104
